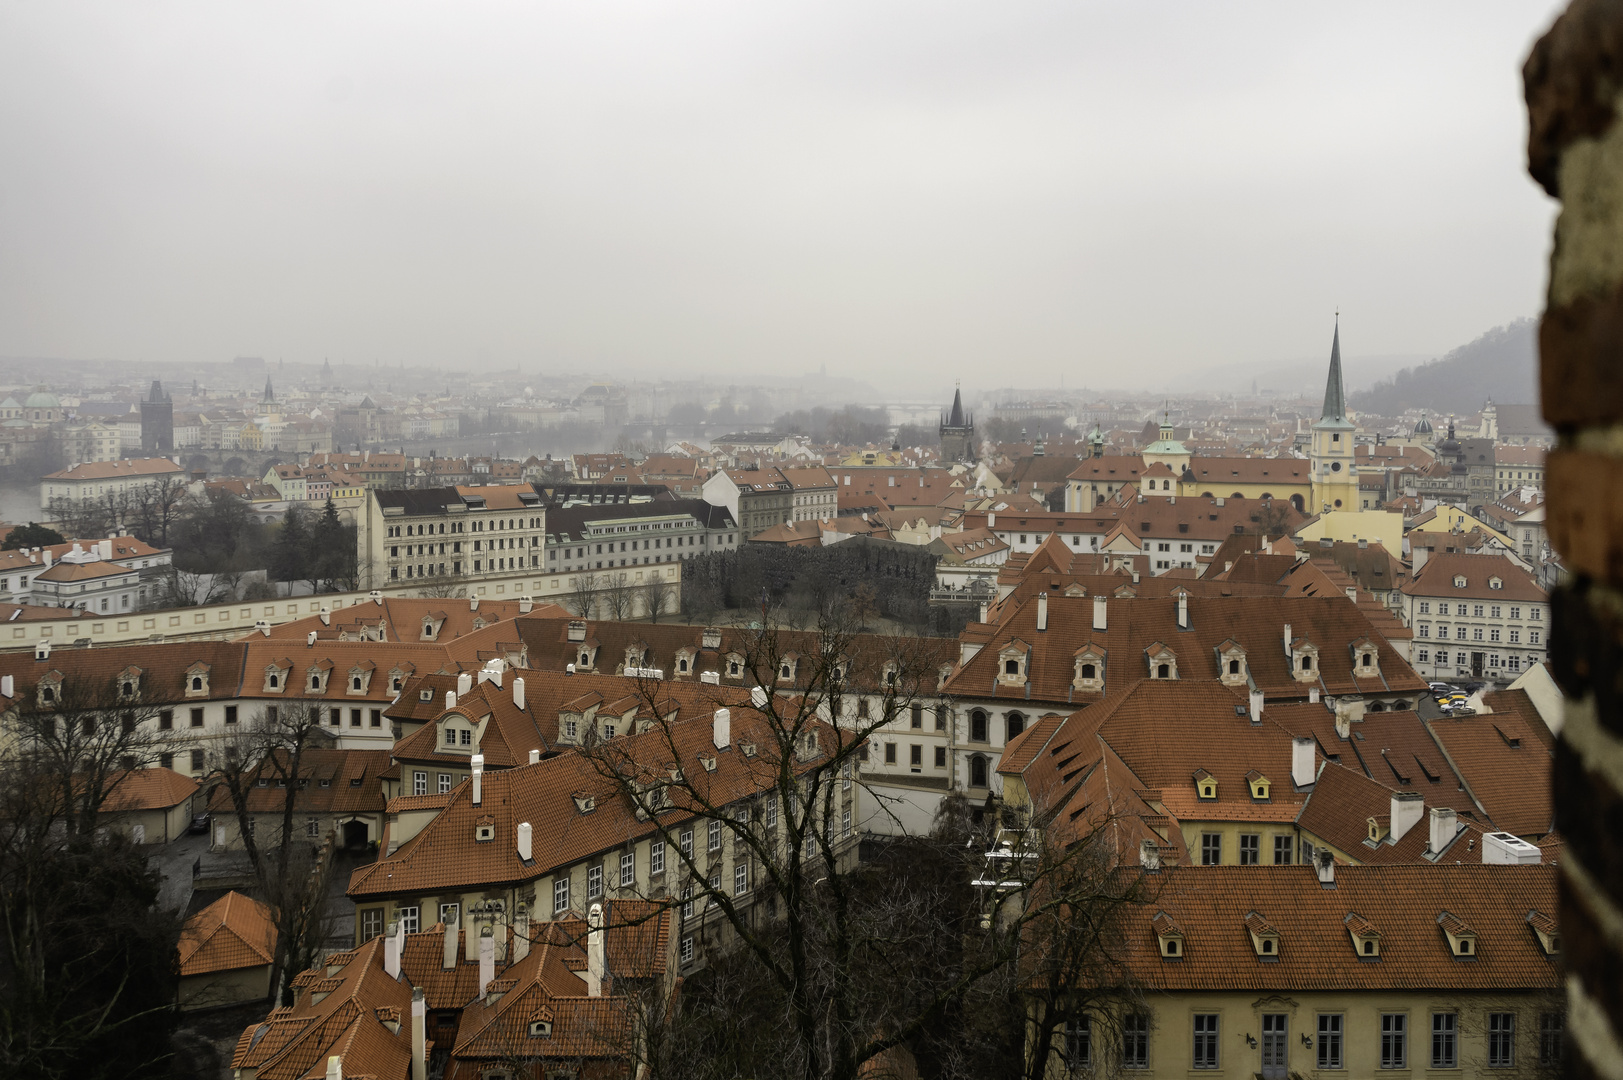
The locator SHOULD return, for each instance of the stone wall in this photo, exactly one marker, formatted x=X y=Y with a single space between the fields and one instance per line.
x=1574 y=88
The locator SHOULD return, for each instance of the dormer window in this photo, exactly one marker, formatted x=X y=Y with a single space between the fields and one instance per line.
x=787 y=667
x=540 y=1029
x=1259 y=786
x=1366 y=940
x=1304 y=660
x=735 y=666
x=1459 y=581
x=1549 y=937
x=585 y=803
x=1169 y=934
x=1264 y=938
x=197 y=680
x=1163 y=662
x=484 y=830
x=1205 y=785
x=1461 y=937
x=1012 y=659
x=1496 y=583
x=273 y=681
x=1089 y=668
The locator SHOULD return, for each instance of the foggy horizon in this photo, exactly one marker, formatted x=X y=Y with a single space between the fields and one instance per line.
x=912 y=193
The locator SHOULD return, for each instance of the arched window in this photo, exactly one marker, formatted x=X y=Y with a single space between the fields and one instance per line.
x=1163 y=671
x=197 y=682
x=1296 y=501
x=1307 y=663
x=1016 y=724
x=1011 y=667
x=977 y=726
x=354 y=682
x=1234 y=667
x=274 y=681
x=977 y=771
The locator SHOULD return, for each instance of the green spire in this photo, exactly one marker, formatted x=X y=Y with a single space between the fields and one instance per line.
x=1335 y=397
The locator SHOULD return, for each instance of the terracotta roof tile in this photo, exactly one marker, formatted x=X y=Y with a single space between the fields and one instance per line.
x=233 y=932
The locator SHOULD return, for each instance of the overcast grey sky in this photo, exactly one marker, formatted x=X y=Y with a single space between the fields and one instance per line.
x=995 y=192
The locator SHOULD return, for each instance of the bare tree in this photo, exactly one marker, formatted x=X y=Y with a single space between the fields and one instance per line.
x=290 y=867
x=581 y=600
x=156 y=506
x=617 y=595
x=443 y=587
x=657 y=596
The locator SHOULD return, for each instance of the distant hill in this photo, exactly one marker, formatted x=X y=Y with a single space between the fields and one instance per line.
x=1501 y=364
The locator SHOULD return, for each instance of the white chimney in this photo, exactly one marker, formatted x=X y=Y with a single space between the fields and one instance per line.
x=376 y=596
x=524 y=841
x=419 y=1035
x=1256 y=706
x=335 y=1067
x=1100 y=607
x=1444 y=824
x=1042 y=611
x=326 y=615
x=991 y=520
x=535 y=757
x=487 y=958
x=526 y=604
x=758 y=696
x=1302 y=762
x=450 y=699
x=721 y=732
x=1183 y=611
x=1408 y=807
x=263 y=626
x=391 y=951
x=1324 y=864
x=105 y=547
x=464 y=685
x=310 y=639
x=518 y=693
x=1288 y=639
x=45 y=557
x=1508 y=849
x=448 y=952
x=478 y=773
x=473 y=603
x=7 y=685
x=594 y=951
x=1313 y=695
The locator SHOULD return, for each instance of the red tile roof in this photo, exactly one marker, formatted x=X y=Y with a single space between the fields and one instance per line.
x=233 y=932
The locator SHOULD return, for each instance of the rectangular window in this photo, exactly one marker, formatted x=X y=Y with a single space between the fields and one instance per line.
x=1501 y=1040
x=941 y=718
x=1135 y=1041
x=713 y=837
x=1394 y=1041
x=687 y=949
x=772 y=811
x=1425 y=608
x=687 y=843
x=335 y=716
x=1211 y=849
x=1205 y=1041
x=377 y=718
x=1283 y=850
x=1330 y=1041
x=560 y=896
x=656 y=857
x=197 y=718
x=916 y=715
x=915 y=756
x=371 y=923
x=445 y=782
x=941 y=757
x=741 y=879
x=628 y=869
x=890 y=753
x=448 y=914
x=197 y=765
x=1250 y=849
x=166 y=719
x=1443 y=1040
x=1079 y=1044
x=1550 y=1027
x=231 y=714
x=354 y=718
x=419 y=783
x=408 y=918
x=687 y=901
x=594 y=882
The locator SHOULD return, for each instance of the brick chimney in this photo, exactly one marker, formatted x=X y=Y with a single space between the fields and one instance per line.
x=419 y=1035
x=1408 y=807
x=1444 y=824
x=594 y=951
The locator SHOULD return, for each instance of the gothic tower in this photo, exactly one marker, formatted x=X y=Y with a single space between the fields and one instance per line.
x=1334 y=467
x=958 y=433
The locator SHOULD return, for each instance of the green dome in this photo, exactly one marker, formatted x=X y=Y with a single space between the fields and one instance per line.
x=42 y=399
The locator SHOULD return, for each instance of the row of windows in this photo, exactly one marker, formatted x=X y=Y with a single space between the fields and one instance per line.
x=1476 y=610
x=1328 y=1049
x=1512 y=662
x=1211 y=849
x=1513 y=636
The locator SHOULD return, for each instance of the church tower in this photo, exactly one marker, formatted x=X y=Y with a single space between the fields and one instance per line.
x=958 y=433
x=1334 y=467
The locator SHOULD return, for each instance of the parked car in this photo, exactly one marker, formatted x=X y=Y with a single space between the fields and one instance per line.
x=199 y=825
